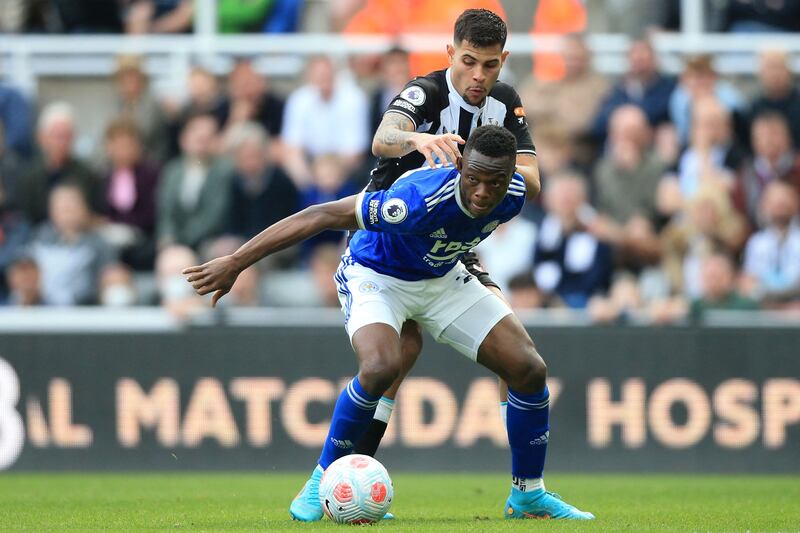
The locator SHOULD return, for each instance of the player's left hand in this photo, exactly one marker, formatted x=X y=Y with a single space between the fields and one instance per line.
x=217 y=276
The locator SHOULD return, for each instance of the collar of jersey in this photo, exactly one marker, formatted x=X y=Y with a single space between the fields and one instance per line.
x=459 y=99
x=458 y=197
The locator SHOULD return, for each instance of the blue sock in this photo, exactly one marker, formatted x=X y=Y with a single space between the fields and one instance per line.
x=528 y=432
x=351 y=417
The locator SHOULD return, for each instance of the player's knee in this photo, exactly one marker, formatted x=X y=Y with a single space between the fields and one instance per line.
x=376 y=374
x=530 y=375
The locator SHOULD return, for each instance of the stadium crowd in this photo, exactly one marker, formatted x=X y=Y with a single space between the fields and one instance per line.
x=663 y=197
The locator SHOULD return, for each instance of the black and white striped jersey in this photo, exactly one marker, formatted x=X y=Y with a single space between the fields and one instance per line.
x=434 y=106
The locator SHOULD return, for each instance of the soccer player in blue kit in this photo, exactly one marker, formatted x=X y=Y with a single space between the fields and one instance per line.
x=403 y=263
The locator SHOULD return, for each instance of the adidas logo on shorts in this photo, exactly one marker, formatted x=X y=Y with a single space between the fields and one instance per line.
x=439 y=234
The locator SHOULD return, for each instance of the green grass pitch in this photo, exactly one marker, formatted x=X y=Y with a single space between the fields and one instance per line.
x=423 y=502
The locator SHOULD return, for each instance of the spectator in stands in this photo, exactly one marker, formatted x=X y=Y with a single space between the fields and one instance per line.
x=246 y=291
x=129 y=196
x=242 y=16
x=772 y=256
x=250 y=99
x=204 y=98
x=135 y=103
x=748 y=16
x=331 y=181
x=568 y=260
x=773 y=160
x=16 y=120
x=777 y=91
x=194 y=195
x=394 y=74
x=117 y=288
x=181 y=302
x=323 y=263
x=24 y=283
x=718 y=278
x=261 y=192
x=53 y=164
x=69 y=253
x=325 y=116
x=14 y=231
x=508 y=251
x=523 y=294
x=555 y=151
x=572 y=101
x=642 y=85
x=158 y=16
x=626 y=181
x=713 y=154
x=700 y=81
x=389 y=17
x=710 y=225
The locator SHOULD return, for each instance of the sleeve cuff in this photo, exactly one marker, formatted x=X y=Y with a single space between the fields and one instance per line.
x=359 y=212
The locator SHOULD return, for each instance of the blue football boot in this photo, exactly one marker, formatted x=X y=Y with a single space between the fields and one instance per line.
x=305 y=506
x=542 y=505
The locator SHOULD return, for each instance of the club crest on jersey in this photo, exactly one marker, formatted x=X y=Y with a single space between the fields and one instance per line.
x=491 y=226
x=368 y=287
x=413 y=94
x=394 y=211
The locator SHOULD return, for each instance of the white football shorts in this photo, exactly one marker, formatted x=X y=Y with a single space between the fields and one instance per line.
x=456 y=309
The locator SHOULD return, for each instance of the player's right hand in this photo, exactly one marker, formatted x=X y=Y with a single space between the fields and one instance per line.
x=444 y=147
x=218 y=276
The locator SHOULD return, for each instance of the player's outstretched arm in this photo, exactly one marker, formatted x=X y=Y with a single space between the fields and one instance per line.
x=219 y=275
x=528 y=168
x=396 y=137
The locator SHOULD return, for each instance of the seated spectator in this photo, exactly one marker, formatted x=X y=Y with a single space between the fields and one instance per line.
x=175 y=295
x=710 y=225
x=773 y=160
x=204 y=98
x=699 y=81
x=246 y=291
x=622 y=302
x=718 y=278
x=261 y=193
x=70 y=255
x=330 y=182
x=523 y=294
x=642 y=85
x=771 y=270
x=572 y=101
x=53 y=164
x=713 y=155
x=777 y=91
x=136 y=103
x=242 y=16
x=117 y=288
x=324 y=116
x=158 y=16
x=194 y=194
x=508 y=250
x=323 y=263
x=291 y=288
x=129 y=196
x=568 y=260
x=394 y=74
x=250 y=99
x=24 y=283
x=16 y=120
x=626 y=181
x=14 y=230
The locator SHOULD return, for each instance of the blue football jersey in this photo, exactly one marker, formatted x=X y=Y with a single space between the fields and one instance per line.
x=418 y=228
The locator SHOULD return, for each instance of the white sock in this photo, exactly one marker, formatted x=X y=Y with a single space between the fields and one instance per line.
x=503 y=411
x=527 y=484
x=384 y=410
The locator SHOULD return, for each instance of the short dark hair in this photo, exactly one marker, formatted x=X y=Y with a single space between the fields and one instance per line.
x=492 y=141
x=481 y=28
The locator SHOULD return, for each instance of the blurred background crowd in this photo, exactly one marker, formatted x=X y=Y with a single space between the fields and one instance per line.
x=664 y=196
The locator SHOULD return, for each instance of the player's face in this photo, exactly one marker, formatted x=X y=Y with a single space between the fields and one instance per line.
x=474 y=70
x=484 y=181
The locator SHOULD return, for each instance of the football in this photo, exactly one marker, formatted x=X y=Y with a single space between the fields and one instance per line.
x=356 y=489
